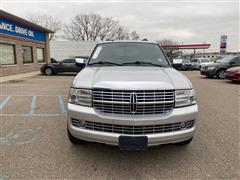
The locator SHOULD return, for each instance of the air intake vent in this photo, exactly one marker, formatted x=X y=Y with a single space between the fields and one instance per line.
x=134 y=130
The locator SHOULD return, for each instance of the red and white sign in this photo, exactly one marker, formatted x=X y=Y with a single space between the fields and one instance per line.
x=223 y=44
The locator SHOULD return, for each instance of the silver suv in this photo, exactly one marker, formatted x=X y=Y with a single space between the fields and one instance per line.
x=129 y=95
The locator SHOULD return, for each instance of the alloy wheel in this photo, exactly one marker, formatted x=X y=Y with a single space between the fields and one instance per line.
x=221 y=74
x=48 y=71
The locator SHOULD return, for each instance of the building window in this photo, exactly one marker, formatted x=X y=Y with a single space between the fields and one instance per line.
x=27 y=54
x=7 y=54
x=40 y=55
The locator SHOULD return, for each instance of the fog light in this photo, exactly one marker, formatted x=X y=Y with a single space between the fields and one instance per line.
x=81 y=123
x=73 y=98
x=183 y=125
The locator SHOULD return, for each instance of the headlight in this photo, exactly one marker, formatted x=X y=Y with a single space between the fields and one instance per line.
x=185 y=97
x=80 y=96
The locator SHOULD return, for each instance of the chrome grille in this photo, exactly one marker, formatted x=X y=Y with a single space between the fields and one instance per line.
x=133 y=102
x=133 y=130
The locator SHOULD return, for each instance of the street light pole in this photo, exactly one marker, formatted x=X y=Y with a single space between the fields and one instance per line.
x=204 y=48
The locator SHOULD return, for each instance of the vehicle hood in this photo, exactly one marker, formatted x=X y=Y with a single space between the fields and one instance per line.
x=234 y=69
x=207 y=63
x=215 y=65
x=131 y=78
x=49 y=64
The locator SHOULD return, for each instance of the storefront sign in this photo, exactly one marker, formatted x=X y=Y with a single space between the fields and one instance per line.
x=223 y=44
x=12 y=29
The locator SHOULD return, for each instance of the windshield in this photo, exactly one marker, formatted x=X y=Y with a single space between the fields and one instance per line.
x=186 y=61
x=225 y=59
x=128 y=53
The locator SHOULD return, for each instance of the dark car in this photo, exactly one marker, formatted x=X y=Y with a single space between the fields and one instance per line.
x=218 y=69
x=73 y=65
x=182 y=64
x=177 y=63
x=53 y=60
x=187 y=65
x=233 y=74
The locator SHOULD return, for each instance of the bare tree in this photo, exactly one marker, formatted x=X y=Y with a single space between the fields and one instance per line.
x=96 y=26
x=166 y=41
x=73 y=33
x=122 y=33
x=83 y=27
x=107 y=27
x=118 y=33
x=48 y=22
x=92 y=27
x=134 y=35
x=171 y=53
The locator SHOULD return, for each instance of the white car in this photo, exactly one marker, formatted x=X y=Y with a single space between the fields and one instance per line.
x=129 y=95
x=200 y=62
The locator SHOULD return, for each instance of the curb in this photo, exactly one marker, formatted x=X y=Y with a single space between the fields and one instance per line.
x=18 y=76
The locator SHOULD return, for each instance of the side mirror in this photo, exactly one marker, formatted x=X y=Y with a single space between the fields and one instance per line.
x=80 y=61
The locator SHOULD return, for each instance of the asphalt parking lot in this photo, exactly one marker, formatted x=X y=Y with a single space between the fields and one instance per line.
x=34 y=143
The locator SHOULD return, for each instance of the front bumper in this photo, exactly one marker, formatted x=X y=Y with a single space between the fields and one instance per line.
x=89 y=114
x=207 y=72
x=187 y=67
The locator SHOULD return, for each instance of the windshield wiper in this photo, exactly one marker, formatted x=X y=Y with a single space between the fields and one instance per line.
x=143 y=63
x=105 y=63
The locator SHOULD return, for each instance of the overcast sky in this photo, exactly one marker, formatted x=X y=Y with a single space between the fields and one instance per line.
x=183 y=21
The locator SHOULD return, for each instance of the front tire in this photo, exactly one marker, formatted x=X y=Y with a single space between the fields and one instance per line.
x=221 y=74
x=184 y=142
x=48 y=71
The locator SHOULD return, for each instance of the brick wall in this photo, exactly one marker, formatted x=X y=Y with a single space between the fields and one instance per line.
x=19 y=67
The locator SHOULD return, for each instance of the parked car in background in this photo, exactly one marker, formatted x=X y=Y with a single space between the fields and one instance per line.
x=233 y=74
x=71 y=65
x=53 y=60
x=199 y=62
x=187 y=65
x=129 y=95
x=218 y=69
x=177 y=63
x=82 y=57
x=218 y=58
x=182 y=64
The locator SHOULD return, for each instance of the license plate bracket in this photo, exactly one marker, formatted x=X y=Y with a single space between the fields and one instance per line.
x=130 y=143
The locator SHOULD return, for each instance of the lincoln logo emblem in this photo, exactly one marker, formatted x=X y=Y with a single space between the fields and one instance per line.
x=133 y=102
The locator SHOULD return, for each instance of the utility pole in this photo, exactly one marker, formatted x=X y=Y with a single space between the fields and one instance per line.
x=204 y=48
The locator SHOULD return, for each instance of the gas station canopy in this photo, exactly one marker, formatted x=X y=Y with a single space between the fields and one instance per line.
x=186 y=46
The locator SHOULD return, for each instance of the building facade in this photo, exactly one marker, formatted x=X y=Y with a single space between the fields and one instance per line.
x=60 y=50
x=24 y=46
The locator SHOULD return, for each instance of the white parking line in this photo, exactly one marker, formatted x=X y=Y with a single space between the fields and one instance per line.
x=4 y=102
x=33 y=95
x=33 y=105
